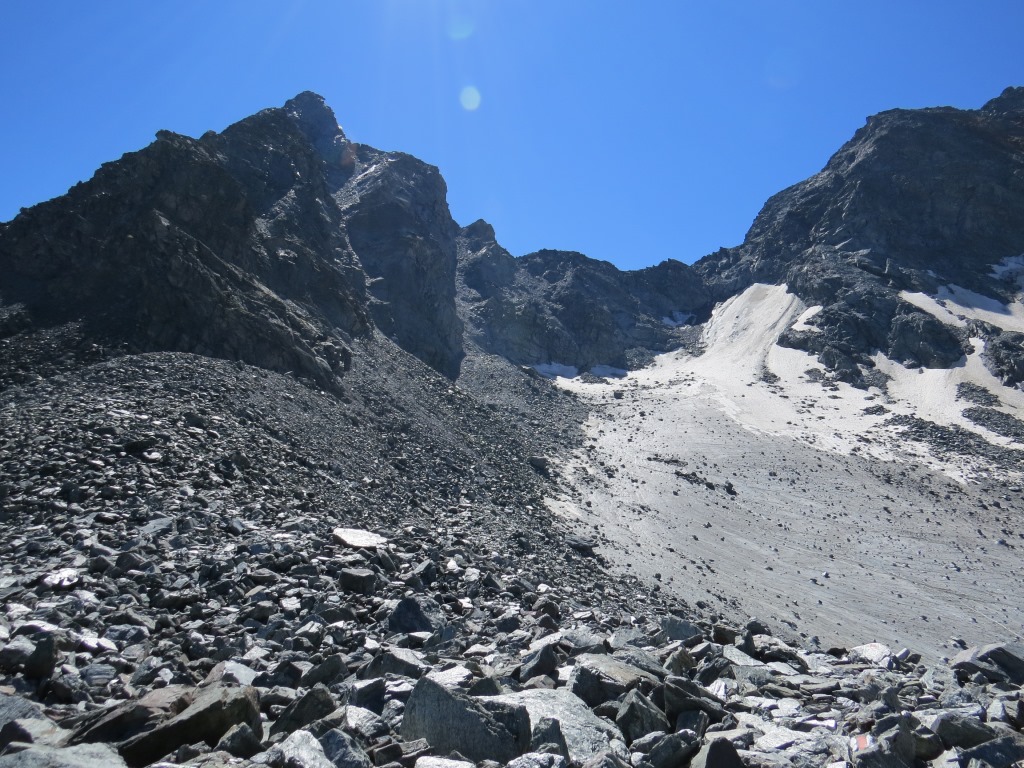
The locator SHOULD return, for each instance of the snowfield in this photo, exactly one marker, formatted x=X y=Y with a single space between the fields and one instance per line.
x=736 y=478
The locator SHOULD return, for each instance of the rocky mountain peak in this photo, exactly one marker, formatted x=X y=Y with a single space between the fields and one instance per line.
x=317 y=122
x=1009 y=102
x=916 y=200
x=478 y=234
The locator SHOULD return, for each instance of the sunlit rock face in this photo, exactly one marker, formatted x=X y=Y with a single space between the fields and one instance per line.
x=916 y=201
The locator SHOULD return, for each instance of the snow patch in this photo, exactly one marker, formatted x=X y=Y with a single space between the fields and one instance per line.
x=767 y=389
x=955 y=306
x=960 y=301
x=801 y=322
x=1010 y=268
x=927 y=304
x=556 y=370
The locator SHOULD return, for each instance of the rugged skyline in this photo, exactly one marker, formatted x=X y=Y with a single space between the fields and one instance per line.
x=630 y=135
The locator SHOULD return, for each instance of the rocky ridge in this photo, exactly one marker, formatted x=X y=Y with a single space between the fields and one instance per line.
x=562 y=307
x=916 y=200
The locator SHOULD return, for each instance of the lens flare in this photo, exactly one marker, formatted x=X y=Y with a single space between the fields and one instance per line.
x=459 y=27
x=469 y=97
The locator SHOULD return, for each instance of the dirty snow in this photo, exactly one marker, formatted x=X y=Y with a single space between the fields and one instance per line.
x=801 y=322
x=724 y=483
x=556 y=370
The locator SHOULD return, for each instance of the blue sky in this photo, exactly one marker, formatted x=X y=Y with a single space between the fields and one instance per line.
x=633 y=132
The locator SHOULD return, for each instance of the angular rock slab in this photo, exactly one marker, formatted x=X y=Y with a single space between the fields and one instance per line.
x=356 y=538
x=210 y=715
x=79 y=756
x=997 y=661
x=480 y=729
x=597 y=678
x=586 y=734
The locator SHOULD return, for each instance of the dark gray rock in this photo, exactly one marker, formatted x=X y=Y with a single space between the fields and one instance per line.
x=683 y=695
x=125 y=720
x=957 y=729
x=396 y=661
x=361 y=580
x=597 y=678
x=477 y=728
x=316 y=703
x=998 y=753
x=637 y=717
x=998 y=661
x=674 y=748
x=342 y=750
x=676 y=628
x=543 y=661
x=210 y=715
x=79 y=756
x=717 y=754
x=546 y=736
x=240 y=741
x=417 y=613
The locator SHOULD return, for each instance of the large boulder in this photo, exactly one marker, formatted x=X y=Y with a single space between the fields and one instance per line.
x=586 y=735
x=79 y=756
x=478 y=728
x=210 y=715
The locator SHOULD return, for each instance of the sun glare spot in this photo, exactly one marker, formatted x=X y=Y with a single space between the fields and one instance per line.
x=459 y=27
x=469 y=97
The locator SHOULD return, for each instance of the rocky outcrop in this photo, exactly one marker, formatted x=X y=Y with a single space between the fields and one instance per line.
x=398 y=222
x=562 y=307
x=917 y=199
x=224 y=246
x=241 y=245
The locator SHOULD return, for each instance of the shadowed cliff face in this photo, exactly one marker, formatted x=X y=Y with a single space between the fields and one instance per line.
x=560 y=306
x=234 y=245
x=396 y=215
x=916 y=200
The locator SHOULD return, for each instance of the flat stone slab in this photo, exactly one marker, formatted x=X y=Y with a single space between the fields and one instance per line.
x=356 y=538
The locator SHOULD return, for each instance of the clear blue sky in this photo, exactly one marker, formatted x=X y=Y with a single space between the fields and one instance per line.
x=632 y=132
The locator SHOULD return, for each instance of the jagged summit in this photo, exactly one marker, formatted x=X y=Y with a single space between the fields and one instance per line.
x=916 y=201
x=318 y=123
x=1010 y=102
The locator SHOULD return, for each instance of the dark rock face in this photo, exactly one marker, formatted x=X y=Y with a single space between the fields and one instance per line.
x=237 y=245
x=915 y=200
x=560 y=306
x=398 y=222
x=226 y=246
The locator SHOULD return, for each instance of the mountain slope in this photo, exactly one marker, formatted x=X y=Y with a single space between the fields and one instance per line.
x=917 y=200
